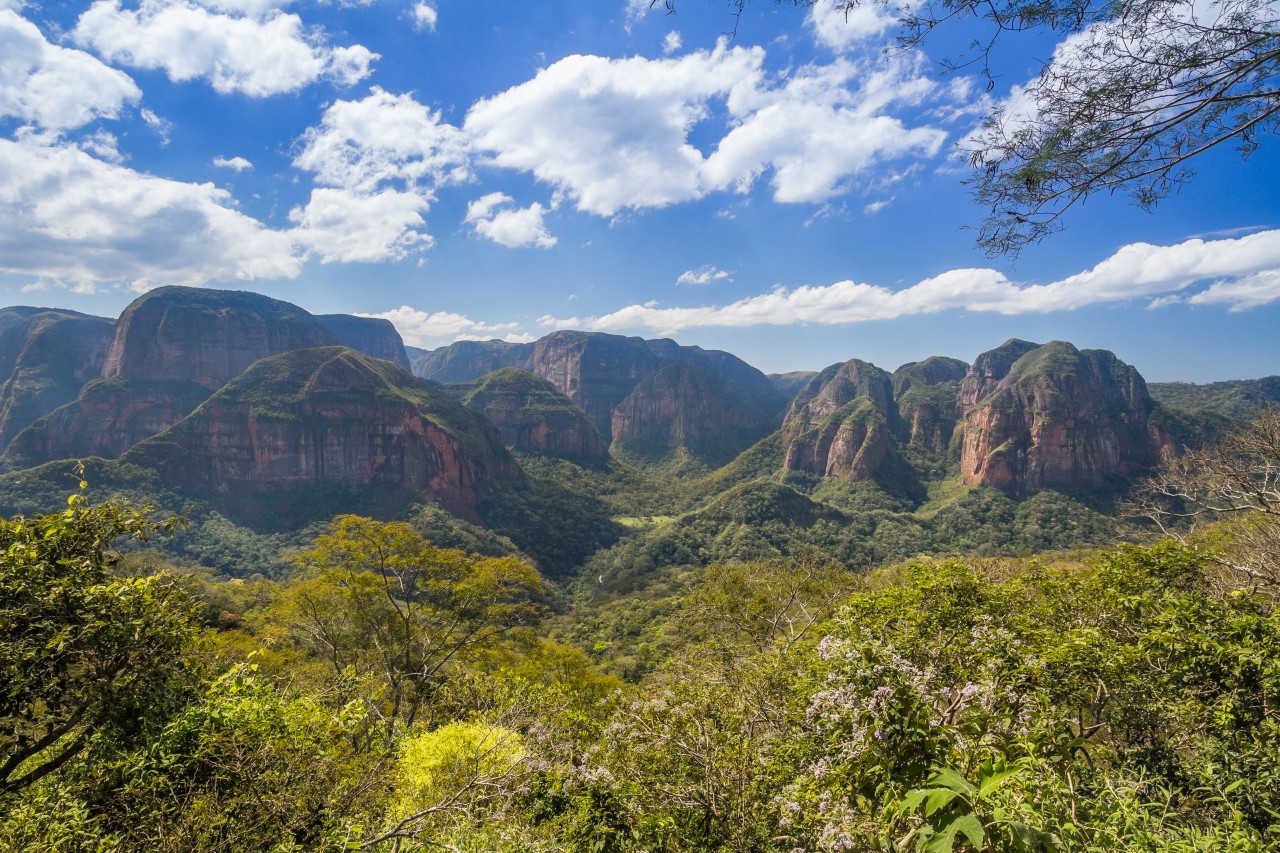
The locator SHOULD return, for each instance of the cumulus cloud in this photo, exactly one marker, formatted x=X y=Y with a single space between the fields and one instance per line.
x=493 y=217
x=350 y=226
x=840 y=25
x=672 y=42
x=425 y=16
x=1244 y=272
x=378 y=161
x=827 y=124
x=77 y=220
x=239 y=164
x=257 y=56
x=424 y=328
x=361 y=145
x=706 y=274
x=614 y=134
x=53 y=87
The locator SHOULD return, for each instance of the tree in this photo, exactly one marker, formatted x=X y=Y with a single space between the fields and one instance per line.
x=1136 y=91
x=1233 y=485
x=380 y=602
x=82 y=653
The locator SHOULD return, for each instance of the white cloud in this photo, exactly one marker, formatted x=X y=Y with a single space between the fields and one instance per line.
x=53 y=87
x=378 y=161
x=257 y=56
x=706 y=274
x=361 y=145
x=425 y=16
x=818 y=130
x=349 y=226
x=672 y=42
x=1251 y=291
x=161 y=126
x=76 y=220
x=636 y=11
x=614 y=134
x=1245 y=273
x=424 y=328
x=493 y=217
x=840 y=25
x=875 y=207
x=239 y=164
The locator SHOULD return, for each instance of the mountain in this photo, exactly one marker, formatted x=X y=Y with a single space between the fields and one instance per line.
x=729 y=406
x=1233 y=399
x=467 y=360
x=1054 y=416
x=46 y=356
x=789 y=384
x=325 y=418
x=927 y=397
x=533 y=416
x=171 y=348
x=838 y=424
x=206 y=336
x=370 y=335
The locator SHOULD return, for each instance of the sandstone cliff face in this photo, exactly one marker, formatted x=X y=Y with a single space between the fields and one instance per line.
x=206 y=336
x=684 y=408
x=369 y=335
x=926 y=393
x=534 y=417
x=330 y=416
x=171 y=348
x=599 y=372
x=108 y=417
x=46 y=357
x=1055 y=416
x=838 y=425
x=465 y=361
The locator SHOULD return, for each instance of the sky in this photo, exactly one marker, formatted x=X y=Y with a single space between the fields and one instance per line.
x=780 y=186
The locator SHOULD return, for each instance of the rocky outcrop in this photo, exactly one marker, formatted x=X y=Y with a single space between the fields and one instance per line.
x=171 y=349
x=989 y=368
x=329 y=417
x=206 y=336
x=465 y=361
x=684 y=408
x=46 y=357
x=108 y=417
x=1054 y=416
x=534 y=417
x=370 y=335
x=925 y=393
x=600 y=371
x=839 y=423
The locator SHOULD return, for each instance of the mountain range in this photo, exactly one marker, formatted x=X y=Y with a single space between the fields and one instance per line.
x=255 y=407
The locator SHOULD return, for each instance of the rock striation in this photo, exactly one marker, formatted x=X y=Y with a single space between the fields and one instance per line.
x=534 y=417
x=46 y=356
x=838 y=425
x=326 y=417
x=370 y=335
x=1053 y=416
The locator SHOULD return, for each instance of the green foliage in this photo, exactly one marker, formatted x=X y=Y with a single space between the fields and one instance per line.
x=83 y=654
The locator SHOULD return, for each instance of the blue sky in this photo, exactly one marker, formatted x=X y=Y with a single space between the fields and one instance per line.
x=502 y=169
